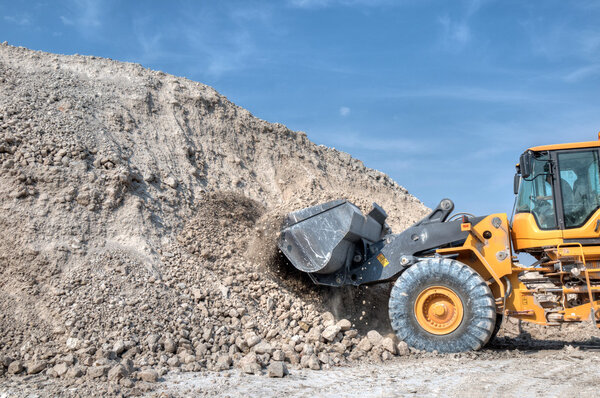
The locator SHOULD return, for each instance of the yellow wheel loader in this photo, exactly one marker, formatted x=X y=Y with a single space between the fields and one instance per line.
x=456 y=276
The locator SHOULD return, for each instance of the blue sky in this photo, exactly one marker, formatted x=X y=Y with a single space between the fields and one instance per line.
x=441 y=95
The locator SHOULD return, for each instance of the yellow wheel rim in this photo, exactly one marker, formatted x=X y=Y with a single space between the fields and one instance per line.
x=439 y=310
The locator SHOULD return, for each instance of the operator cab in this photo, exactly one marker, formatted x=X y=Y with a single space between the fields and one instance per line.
x=558 y=196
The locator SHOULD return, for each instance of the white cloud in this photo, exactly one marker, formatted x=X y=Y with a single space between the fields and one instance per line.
x=214 y=42
x=310 y=3
x=22 y=20
x=563 y=41
x=314 y=4
x=86 y=16
x=456 y=33
x=66 y=21
x=583 y=73
x=369 y=142
x=344 y=111
x=474 y=94
x=578 y=46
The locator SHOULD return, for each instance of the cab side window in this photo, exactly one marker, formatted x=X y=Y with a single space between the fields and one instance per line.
x=535 y=194
x=580 y=186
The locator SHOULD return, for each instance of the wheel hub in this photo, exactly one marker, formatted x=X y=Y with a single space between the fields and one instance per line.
x=439 y=310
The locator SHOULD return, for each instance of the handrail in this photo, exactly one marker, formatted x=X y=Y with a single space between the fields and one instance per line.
x=593 y=308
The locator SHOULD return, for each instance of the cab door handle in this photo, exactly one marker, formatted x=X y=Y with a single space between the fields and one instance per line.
x=597 y=226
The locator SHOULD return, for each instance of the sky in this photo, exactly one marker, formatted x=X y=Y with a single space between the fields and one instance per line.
x=441 y=95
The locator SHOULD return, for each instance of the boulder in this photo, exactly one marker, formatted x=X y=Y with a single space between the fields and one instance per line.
x=148 y=375
x=35 y=367
x=328 y=319
x=73 y=343
x=173 y=362
x=223 y=362
x=15 y=367
x=97 y=371
x=263 y=348
x=364 y=345
x=403 y=348
x=249 y=364
x=330 y=332
x=374 y=337
x=314 y=334
x=251 y=339
x=170 y=345
x=344 y=325
x=276 y=369
x=119 y=347
x=117 y=373
x=278 y=355
x=313 y=362
x=74 y=372
x=388 y=344
x=61 y=369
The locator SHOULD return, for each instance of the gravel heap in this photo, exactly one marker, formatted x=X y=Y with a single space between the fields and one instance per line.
x=138 y=225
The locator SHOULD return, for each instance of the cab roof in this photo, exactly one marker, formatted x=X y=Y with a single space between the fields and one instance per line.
x=572 y=145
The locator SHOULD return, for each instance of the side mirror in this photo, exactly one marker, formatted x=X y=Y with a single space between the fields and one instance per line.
x=516 y=183
x=526 y=164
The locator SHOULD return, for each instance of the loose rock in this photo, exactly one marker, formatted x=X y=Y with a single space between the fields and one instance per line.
x=276 y=369
x=148 y=375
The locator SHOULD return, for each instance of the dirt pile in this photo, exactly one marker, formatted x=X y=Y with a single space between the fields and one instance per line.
x=139 y=212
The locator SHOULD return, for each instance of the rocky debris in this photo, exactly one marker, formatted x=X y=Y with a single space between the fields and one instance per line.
x=139 y=218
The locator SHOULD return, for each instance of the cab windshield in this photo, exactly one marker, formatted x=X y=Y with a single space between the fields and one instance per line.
x=580 y=186
x=535 y=194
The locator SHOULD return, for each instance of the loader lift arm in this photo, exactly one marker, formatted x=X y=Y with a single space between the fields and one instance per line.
x=338 y=246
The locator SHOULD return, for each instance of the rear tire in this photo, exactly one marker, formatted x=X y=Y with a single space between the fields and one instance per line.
x=442 y=305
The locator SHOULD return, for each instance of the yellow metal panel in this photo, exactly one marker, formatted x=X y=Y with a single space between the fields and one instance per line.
x=521 y=304
x=526 y=234
x=489 y=256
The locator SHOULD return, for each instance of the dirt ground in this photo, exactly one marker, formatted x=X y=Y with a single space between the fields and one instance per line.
x=562 y=372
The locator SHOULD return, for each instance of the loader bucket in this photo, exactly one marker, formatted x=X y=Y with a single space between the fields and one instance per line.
x=322 y=239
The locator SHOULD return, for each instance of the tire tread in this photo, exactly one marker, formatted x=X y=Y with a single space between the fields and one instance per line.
x=483 y=312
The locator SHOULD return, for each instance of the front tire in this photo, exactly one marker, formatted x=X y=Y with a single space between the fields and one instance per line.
x=442 y=305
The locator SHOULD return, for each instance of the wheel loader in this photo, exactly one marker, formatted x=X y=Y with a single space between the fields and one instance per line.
x=455 y=277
